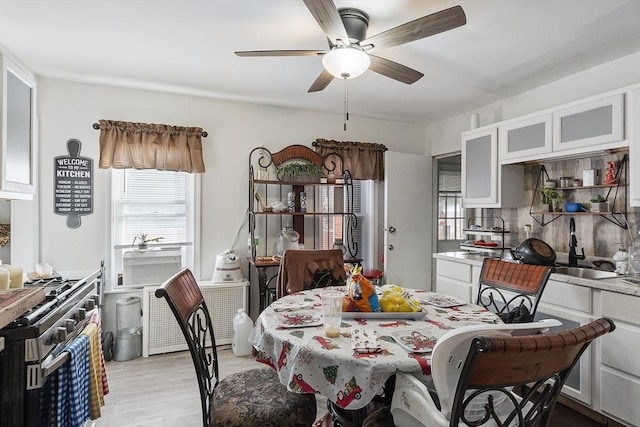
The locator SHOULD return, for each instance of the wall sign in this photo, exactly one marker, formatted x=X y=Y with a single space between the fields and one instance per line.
x=73 y=177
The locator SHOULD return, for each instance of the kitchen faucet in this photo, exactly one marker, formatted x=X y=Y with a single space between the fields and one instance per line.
x=573 y=243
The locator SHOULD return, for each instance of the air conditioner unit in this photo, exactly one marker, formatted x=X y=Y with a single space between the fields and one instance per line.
x=152 y=266
x=160 y=330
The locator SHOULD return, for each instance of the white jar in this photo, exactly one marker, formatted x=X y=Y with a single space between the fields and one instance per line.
x=621 y=259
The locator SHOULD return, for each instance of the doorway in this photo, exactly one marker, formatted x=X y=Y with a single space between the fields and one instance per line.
x=449 y=213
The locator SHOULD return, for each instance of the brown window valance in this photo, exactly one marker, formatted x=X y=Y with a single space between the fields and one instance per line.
x=365 y=160
x=150 y=146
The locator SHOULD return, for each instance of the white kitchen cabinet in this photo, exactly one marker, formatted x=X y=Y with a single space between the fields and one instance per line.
x=17 y=132
x=594 y=124
x=573 y=306
x=525 y=138
x=619 y=362
x=485 y=182
x=633 y=119
x=457 y=280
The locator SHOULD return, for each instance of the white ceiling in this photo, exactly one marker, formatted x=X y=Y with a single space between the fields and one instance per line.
x=186 y=46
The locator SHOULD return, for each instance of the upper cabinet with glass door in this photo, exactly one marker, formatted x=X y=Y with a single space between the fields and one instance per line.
x=593 y=124
x=485 y=182
x=17 y=132
x=525 y=138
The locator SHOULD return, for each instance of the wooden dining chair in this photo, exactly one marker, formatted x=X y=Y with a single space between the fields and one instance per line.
x=481 y=385
x=309 y=269
x=244 y=399
x=511 y=290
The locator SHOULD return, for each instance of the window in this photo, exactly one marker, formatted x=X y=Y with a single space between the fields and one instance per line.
x=450 y=215
x=335 y=199
x=158 y=203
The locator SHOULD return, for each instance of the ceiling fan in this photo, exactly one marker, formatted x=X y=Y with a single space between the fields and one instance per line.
x=349 y=53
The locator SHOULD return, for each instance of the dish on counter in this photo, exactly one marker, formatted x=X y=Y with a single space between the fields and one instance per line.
x=415 y=341
x=298 y=320
x=442 y=301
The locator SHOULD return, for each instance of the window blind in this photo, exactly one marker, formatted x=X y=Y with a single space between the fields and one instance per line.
x=158 y=203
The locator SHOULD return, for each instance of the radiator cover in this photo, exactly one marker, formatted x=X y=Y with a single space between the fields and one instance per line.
x=161 y=333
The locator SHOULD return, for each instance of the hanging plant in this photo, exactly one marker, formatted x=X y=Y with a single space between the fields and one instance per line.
x=294 y=171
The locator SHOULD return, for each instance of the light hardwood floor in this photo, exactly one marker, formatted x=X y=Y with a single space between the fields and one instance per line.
x=161 y=390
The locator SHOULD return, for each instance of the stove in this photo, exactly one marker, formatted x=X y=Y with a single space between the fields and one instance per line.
x=35 y=344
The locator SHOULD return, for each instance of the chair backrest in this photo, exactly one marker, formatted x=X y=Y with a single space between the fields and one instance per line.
x=496 y=364
x=452 y=348
x=308 y=269
x=188 y=306
x=506 y=286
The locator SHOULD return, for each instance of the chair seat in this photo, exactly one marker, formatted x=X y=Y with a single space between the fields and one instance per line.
x=381 y=417
x=257 y=398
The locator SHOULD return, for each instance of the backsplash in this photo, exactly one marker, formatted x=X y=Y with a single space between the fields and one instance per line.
x=594 y=233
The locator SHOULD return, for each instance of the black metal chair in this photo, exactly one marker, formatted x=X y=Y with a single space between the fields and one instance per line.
x=245 y=399
x=479 y=386
x=511 y=290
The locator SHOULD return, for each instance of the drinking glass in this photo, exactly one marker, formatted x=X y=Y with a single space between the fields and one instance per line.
x=332 y=312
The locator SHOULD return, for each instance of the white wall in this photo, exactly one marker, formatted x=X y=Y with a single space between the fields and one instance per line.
x=68 y=110
x=444 y=137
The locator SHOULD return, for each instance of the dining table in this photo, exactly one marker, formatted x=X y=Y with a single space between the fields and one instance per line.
x=352 y=369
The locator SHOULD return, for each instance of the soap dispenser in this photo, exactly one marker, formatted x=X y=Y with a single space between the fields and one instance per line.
x=620 y=258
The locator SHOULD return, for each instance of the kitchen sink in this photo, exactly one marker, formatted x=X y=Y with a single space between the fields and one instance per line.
x=585 y=273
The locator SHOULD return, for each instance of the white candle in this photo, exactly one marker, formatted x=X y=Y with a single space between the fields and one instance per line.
x=4 y=278
x=15 y=275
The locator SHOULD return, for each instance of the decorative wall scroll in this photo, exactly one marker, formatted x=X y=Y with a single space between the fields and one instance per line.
x=73 y=177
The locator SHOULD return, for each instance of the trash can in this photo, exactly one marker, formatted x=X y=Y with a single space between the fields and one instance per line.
x=129 y=329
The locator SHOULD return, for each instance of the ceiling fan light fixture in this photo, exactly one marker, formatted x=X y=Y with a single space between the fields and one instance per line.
x=346 y=62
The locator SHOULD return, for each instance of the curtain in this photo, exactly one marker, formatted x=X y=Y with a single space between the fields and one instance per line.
x=364 y=160
x=150 y=146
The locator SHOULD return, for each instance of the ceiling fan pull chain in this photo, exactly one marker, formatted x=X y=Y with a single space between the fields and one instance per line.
x=346 y=103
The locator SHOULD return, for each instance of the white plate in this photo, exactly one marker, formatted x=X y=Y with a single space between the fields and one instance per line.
x=298 y=320
x=442 y=301
x=389 y=315
x=415 y=341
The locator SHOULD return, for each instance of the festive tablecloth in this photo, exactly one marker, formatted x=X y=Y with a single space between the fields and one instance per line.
x=292 y=341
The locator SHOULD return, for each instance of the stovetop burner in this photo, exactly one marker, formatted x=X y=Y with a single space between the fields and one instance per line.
x=53 y=286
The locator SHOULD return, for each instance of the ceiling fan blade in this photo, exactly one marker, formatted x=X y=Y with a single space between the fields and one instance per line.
x=280 y=52
x=394 y=70
x=328 y=18
x=429 y=25
x=321 y=82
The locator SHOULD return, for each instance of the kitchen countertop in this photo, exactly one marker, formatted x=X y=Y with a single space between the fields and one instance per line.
x=613 y=284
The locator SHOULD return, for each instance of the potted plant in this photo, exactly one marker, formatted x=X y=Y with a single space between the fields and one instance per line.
x=294 y=171
x=551 y=200
x=599 y=204
x=144 y=240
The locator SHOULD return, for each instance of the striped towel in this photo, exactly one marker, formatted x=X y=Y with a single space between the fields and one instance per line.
x=96 y=397
x=95 y=318
x=73 y=385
